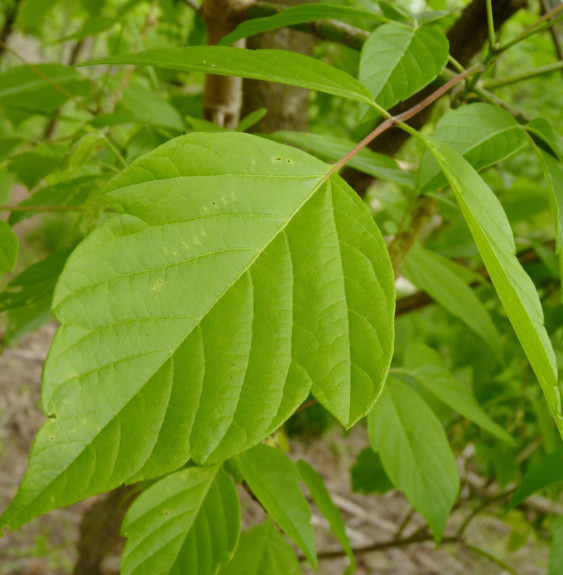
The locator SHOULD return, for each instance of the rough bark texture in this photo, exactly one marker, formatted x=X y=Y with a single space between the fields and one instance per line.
x=100 y=545
x=466 y=37
x=222 y=94
x=287 y=106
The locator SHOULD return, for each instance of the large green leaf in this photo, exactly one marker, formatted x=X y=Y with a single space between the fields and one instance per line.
x=40 y=89
x=492 y=234
x=545 y=474
x=263 y=551
x=332 y=148
x=188 y=522
x=235 y=280
x=268 y=65
x=298 y=15
x=484 y=134
x=31 y=14
x=398 y=61
x=368 y=474
x=8 y=247
x=274 y=479
x=544 y=131
x=415 y=452
x=323 y=501
x=427 y=367
x=428 y=272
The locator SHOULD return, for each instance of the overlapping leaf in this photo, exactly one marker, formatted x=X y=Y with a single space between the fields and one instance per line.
x=428 y=272
x=263 y=550
x=43 y=88
x=493 y=236
x=298 y=15
x=398 y=61
x=188 y=522
x=332 y=148
x=427 y=366
x=8 y=247
x=236 y=279
x=323 y=500
x=268 y=65
x=415 y=452
x=274 y=479
x=484 y=134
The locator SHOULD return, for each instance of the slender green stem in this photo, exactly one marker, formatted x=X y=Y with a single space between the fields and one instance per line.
x=542 y=70
x=20 y=208
x=112 y=147
x=401 y=118
x=491 y=27
x=543 y=23
x=490 y=557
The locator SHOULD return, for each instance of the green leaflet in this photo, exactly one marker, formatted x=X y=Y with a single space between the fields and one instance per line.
x=332 y=149
x=26 y=88
x=263 y=550
x=368 y=474
x=398 y=61
x=268 y=65
x=415 y=452
x=492 y=234
x=546 y=473
x=31 y=13
x=324 y=502
x=556 y=548
x=427 y=367
x=188 y=522
x=482 y=133
x=8 y=247
x=428 y=272
x=235 y=280
x=542 y=129
x=298 y=15
x=274 y=479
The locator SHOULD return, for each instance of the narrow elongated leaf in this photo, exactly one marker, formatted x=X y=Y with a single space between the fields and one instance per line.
x=8 y=247
x=427 y=272
x=35 y=89
x=188 y=522
x=263 y=550
x=332 y=149
x=274 y=479
x=398 y=61
x=235 y=280
x=556 y=547
x=482 y=133
x=427 y=366
x=324 y=502
x=298 y=15
x=268 y=65
x=415 y=452
x=548 y=472
x=543 y=130
x=553 y=172
x=493 y=236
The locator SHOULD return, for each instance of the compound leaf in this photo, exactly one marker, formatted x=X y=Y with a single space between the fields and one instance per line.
x=236 y=279
x=188 y=522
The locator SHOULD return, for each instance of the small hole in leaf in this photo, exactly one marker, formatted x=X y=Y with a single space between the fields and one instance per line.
x=213 y=204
